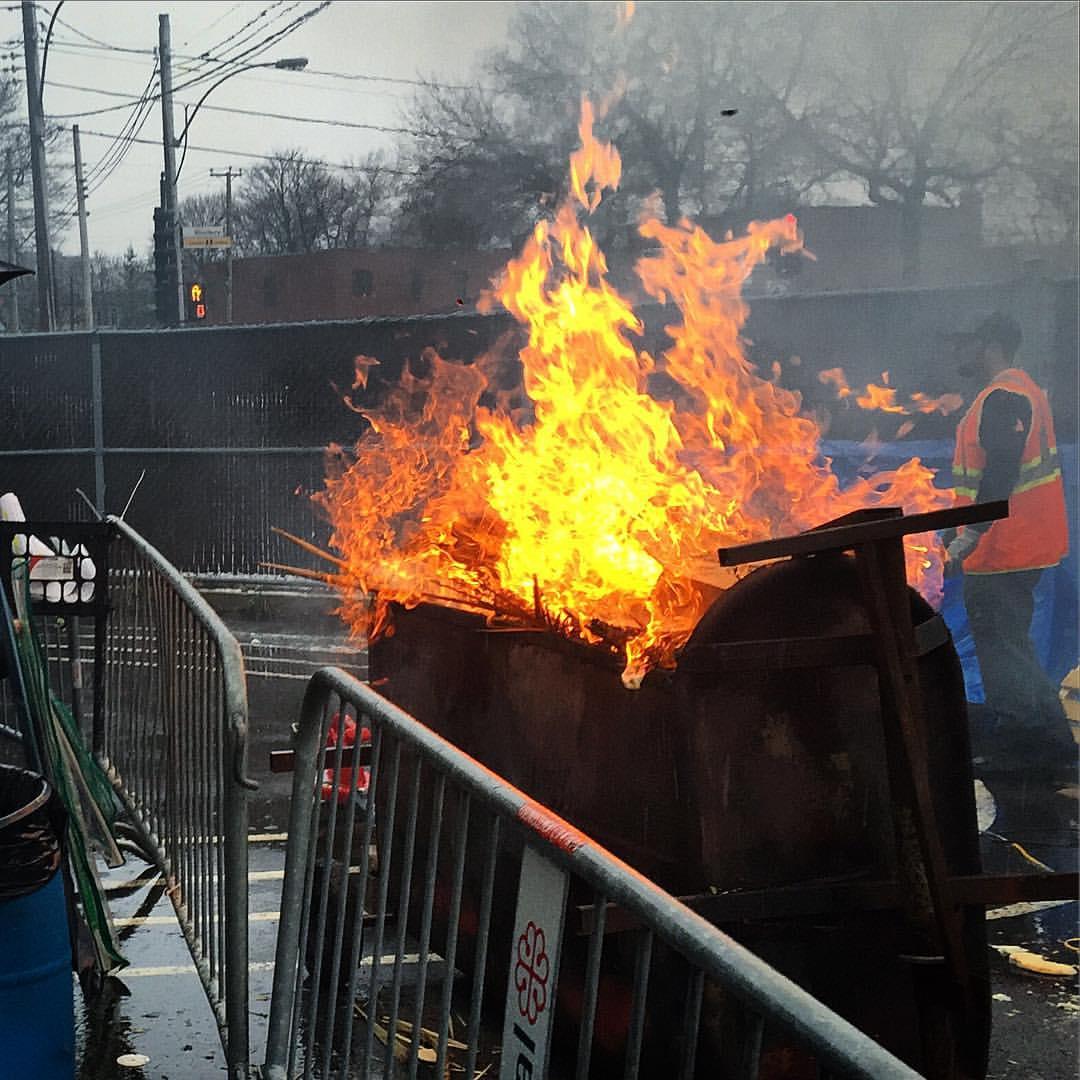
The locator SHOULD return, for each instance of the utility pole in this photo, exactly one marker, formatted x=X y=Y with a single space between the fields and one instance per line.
x=13 y=251
x=229 y=173
x=37 y=168
x=84 y=243
x=168 y=137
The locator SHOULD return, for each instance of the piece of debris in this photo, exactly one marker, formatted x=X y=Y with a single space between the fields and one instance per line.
x=402 y=1043
x=427 y=1036
x=1032 y=964
x=1028 y=907
x=133 y=1061
x=985 y=806
x=1002 y=997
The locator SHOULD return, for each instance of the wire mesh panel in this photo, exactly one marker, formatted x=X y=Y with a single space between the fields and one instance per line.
x=401 y=948
x=231 y=422
x=173 y=737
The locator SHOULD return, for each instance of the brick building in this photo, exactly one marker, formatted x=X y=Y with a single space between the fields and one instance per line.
x=855 y=248
x=349 y=284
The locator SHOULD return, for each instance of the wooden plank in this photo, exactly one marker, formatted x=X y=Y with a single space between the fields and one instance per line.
x=844 y=537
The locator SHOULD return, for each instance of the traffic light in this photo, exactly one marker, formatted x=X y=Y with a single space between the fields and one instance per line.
x=165 y=269
x=196 y=302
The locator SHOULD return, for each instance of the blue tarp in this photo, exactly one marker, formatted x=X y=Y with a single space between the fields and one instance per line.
x=1054 y=624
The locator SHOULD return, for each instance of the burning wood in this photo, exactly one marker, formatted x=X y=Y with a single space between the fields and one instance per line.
x=312 y=549
x=592 y=516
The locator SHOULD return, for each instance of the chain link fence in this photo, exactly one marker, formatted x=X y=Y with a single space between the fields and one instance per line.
x=227 y=426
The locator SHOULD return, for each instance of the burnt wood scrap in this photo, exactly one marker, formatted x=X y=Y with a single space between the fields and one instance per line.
x=504 y=611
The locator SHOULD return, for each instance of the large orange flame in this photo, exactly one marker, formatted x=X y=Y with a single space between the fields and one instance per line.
x=596 y=513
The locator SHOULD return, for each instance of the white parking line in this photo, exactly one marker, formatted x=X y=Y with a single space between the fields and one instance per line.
x=253 y=875
x=146 y=972
x=170 y=920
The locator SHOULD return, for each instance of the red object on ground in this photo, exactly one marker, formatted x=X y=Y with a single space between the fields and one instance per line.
x=344 y=778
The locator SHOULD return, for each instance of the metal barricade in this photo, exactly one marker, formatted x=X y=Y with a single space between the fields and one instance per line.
x=171 y=731
x=403 y=852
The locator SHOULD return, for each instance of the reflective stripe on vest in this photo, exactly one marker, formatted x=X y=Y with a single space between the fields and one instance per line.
x=1036 y=532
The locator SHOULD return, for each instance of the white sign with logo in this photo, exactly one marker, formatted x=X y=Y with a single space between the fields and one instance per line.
x=534 y=968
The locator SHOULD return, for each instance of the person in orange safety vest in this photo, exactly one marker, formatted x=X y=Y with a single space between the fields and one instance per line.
x=1005 y=449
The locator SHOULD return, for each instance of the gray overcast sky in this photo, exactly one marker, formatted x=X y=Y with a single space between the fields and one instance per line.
x=442 y=40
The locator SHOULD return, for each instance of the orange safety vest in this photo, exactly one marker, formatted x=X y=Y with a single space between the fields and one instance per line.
x=1036 y=532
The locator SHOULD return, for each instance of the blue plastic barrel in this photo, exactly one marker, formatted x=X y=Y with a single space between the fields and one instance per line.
x=37 y=1019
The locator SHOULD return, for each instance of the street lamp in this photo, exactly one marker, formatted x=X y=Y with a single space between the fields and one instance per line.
x=288 y=63
x=170 y=143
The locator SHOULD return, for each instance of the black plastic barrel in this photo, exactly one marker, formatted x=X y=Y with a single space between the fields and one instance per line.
x=37 y=1023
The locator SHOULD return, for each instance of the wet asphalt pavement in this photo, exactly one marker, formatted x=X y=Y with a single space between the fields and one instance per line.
x=157 y=1008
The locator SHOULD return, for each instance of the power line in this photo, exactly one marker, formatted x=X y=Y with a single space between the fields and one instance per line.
x=397 y=80
x=129 y=101
x=117 y=151
x=315 y=120
x=249 y=54
x=238 y=38
x=245 y=55
x=340 y=75
x=264 y=14
x=394 y=79
x=140 y=114
x=220 y=19
x=97 y=41
x=344 y=167
x=293 y=81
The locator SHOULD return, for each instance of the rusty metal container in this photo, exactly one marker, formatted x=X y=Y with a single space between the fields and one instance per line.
x=729 y=773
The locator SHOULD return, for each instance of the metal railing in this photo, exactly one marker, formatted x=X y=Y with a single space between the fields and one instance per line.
x=171 y=732
x=409 y=846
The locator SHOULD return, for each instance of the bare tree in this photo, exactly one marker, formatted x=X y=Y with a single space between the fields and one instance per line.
x=681 y=94
x=922 y=102
x=373 y=189
x=123 y=290
x=474 y=183
x=15 y=136
x=1036 y=198
x=291 y=205
x=904 y=104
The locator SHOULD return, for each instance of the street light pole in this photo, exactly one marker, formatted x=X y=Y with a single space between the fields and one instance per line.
x=229 y=173
x=84 y=241
x=13 y=250
x=169 y=140
x=37 y=168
